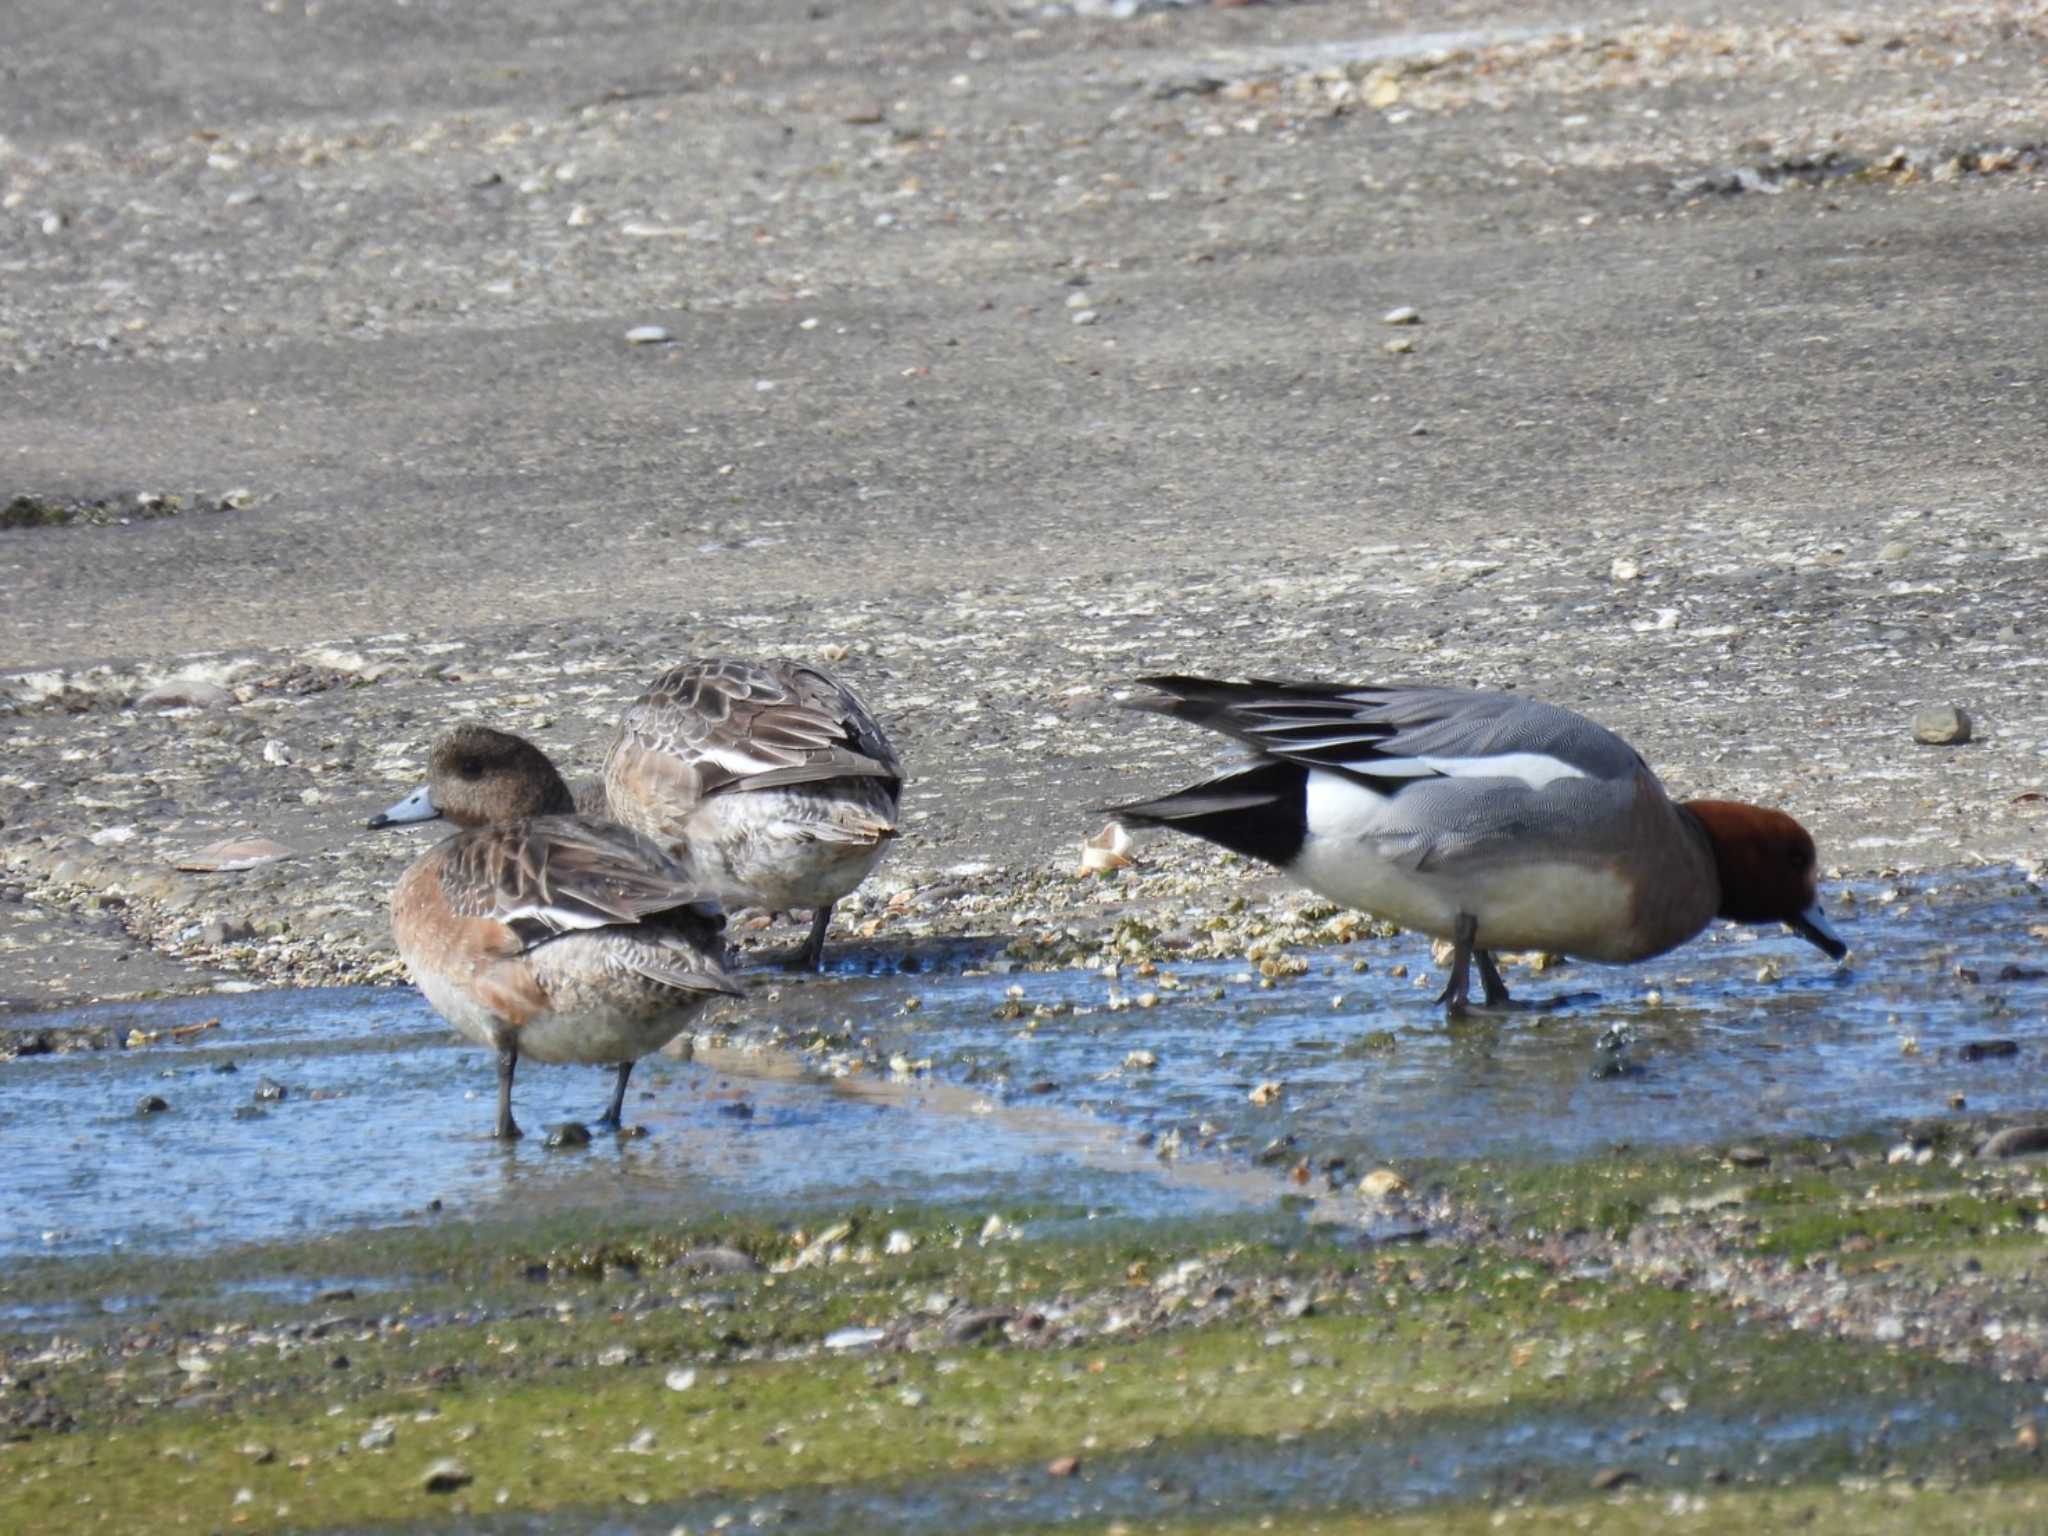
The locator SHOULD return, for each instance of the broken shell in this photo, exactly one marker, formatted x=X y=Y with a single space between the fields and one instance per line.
x=1106 y=850
x=235 y=853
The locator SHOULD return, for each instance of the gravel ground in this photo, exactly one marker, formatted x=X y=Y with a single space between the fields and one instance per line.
x=1010 y=352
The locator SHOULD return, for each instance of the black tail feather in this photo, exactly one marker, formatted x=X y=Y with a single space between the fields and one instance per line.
x=1260 y=811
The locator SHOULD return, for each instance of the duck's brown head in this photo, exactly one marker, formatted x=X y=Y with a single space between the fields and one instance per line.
x=1769 y=871
x=478 y=777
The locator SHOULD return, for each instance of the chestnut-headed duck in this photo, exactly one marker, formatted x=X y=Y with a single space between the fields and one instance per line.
x=538 y=932
x=1490 y=821
x=772 y=777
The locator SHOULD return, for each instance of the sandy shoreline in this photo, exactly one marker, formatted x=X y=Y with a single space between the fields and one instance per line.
x=1007 y=357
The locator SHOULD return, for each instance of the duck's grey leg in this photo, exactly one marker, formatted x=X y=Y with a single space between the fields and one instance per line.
x=812 y=956
x=1457 y=991
x=1489 y=979
x=508 y=1062
x=611 y=1116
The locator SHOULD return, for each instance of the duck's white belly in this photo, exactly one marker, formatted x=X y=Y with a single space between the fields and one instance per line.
x=1563 y=907
x=599 y=1035
x=781 y=849
x=1357 y=853
x=586 y=1024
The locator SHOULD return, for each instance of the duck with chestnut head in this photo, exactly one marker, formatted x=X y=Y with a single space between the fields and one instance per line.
x=1485 y=819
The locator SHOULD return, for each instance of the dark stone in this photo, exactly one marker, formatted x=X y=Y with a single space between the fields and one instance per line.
x=1986 y=1050
x=717 y=1261
x=569 y=1134
x=2016 y=1141
x=150 y=1104
x=972 y=1325
x=1613 y=1477
x=269 y=1091
x=218 y=932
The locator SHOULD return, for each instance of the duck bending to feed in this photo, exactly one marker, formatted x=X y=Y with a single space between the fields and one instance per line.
x=538 y=932
x=772 y=775
x=1491 y=821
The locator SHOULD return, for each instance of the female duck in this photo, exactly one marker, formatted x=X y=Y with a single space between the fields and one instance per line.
x=1492 y=821
x=771 y=777
x=537 y=932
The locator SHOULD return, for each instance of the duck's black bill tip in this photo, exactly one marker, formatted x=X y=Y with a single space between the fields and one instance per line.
x=379 y=821
x=1827 y=942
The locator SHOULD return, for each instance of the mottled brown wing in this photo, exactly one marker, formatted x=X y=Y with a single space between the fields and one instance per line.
x=551 y=875
x=715 y=725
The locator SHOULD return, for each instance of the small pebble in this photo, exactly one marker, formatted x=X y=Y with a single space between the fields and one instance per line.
x=378 y=1437
x=1749 y=1157
x=1948 y=726
x=2016 y=1141
x=570 y=1133
x=445 y=1476
x=1406 y=314
x=680 y=1380
x=648 y=335
x=854 y=1338
x=269 y=1091
x=1613 y=1477
x=150 y=1104
x=1398 y=345
x=1063 y=1466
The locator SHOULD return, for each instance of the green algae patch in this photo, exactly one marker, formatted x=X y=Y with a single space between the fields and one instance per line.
x=885 y=1350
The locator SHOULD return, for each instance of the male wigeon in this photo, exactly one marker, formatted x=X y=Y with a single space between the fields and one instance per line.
x=538 y=932
x=772 y=776
x=1492 y=821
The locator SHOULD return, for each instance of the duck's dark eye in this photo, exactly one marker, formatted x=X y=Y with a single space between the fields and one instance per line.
x=470 y=768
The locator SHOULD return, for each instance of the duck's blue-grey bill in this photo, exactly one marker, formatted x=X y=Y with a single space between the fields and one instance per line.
x=417 y=806
x=1812 y=925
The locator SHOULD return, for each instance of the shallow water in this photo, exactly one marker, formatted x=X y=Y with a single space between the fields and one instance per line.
x=1445 y=1456
x=385 y=1112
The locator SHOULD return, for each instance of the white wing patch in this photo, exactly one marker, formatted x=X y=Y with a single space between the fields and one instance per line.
x=1343 y=808
x=1534 y=769
x=561 y=919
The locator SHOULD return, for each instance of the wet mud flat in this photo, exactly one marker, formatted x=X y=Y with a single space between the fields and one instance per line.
x=999 y=1244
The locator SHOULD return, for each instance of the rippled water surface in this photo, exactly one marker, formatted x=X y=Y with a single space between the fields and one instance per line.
x=384 y=1111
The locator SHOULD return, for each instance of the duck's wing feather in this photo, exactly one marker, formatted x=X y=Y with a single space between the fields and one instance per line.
x=1390 y=737
x=721 y=724
x=550 y=875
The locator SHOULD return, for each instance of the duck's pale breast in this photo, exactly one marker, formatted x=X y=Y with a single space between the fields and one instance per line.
x=797 y=846
x=1602 y=871
x=470 y=969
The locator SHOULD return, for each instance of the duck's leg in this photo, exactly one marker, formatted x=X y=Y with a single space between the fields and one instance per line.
x=1489 y=979
x=1456 y=994
x=812 y=956
x=611 y=1115
x=508 y=1063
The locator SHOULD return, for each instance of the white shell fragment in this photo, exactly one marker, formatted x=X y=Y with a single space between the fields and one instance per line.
x=235 y=853
x=1106 y=850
